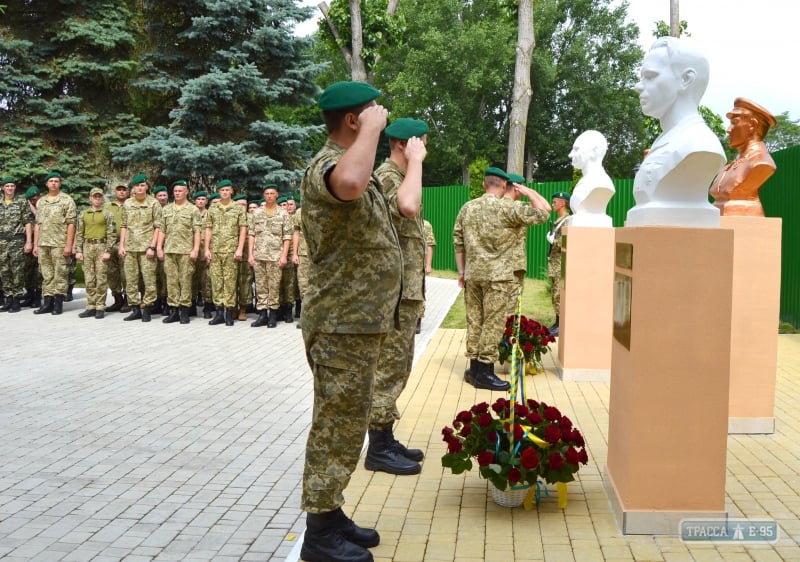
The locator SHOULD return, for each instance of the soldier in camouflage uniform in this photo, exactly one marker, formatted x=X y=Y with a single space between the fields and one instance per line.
x=201 y=282
x=401 y=178
x=561 y=207
x=96 y=236
x=484 y=239
x=225 y=231
x=288 y=293
x=355 y=277
x=299 y=259
x=430 y=244
x=178 y=247
x=53 y=240
x=142 y=223
x=161 y=194
x=16 y=241
x=270 y=231
x=33 y=279
x=115 y=269
x=245 y=275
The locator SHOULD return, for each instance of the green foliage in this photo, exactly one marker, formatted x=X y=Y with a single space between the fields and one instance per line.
x=662 y=29
x=785 y=133
x=476 y=169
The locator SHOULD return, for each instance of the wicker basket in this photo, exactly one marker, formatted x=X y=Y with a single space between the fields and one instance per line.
x=509 y=497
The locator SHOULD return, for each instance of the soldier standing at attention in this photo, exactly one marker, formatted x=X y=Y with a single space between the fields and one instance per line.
x=270 y=232
x=355 y=279
x=201 y=282
x=114 y=271
x=244 y=277
x=33 y=279
x=53 y=239
x=484 y=240
x=288 y=281
x=138 y=236
x=561 y=207
x=401 y=179
x=162 y=196
x=226 y=229
x=178 y=247
x=96 y=237
x=300 y=260
x=16 y=240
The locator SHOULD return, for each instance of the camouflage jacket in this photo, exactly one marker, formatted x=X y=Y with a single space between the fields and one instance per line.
x=95 y=225
x=53 y=218
x=302 y=247
x=355 y=266
x=13 y=218
x=269 y=230
x=225 y=224
x=140 y=221
x=181 y=223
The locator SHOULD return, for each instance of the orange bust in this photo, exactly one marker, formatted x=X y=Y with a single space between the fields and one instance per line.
x=735 y=189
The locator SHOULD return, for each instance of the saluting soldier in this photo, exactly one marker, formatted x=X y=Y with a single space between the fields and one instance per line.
x=225 y=231
x=270 y=232
x=53 y=239
x=115 y=267
x=178 y=247
x=141 y=225
x=16 y=241
x=94 y=242
x=401 y=179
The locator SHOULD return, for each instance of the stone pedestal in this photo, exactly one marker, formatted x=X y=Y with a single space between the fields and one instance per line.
x=754 y=329
x=587 y=299
x=670 y=368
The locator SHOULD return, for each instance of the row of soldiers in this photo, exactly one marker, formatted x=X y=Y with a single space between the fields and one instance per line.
x=156 y=256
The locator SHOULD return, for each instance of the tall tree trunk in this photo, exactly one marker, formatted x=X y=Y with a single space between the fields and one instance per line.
x=358 y=70
x=522 y=89
x=674 y=18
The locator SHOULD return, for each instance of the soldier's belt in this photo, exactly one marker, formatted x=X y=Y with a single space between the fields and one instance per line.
x=95 y=241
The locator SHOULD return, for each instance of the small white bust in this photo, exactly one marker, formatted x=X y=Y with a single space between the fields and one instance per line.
x=594 y=190
x=671 y=186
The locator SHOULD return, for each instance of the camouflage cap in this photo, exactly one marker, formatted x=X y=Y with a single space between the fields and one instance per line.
x=96 y=191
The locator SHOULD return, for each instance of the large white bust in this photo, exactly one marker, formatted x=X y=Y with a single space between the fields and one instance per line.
x=593 y=191
x=671 y=186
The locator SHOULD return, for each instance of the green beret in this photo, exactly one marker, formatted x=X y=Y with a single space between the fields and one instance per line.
x=343 y=95
x=213 y=196
x=180 y=182
x=224 y=183
x=405 y=128
x=281 y=199
x=32 y=192
x=137 y=179
x=271 y=186
x=561 y=195
x=258 y=202
x=53 y=174
x=495 y=172
x=8 y=179
x=296 y=197
x=95 y=190
x=159 y=189
x=200 y=194
x=516 y=178
x=239 y=196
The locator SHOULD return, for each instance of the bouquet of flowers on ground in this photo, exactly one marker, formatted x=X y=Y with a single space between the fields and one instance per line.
x=515 y=443
x=533 y=338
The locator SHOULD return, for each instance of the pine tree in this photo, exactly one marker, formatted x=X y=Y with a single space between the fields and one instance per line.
x=222 y=71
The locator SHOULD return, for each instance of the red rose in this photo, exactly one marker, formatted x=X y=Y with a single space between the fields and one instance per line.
x=464 y=417
x=520 y=410
x=454 y=446
x=528 y=347
x=534 y=418
x=583 y=457
x=447 y=431
x=466 y=430
x=519 y=432
x=509 y=331
x=572 y=456
x=484 y=420
x=533 y=404
x=551 y=413
x=578 y=438
x=552 y=434
x=529 y=459
x=556 y=461
x=514 y=475
x=492 y=437
x=480 y=408
x=485 y=458
x=565 y=423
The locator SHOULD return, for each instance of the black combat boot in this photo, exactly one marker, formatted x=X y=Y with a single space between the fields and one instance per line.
x=412 y=454
x=87 y=314
x=58 y=305
x=158 y=307
x=469 y=373
x=37 y=299
x=554 y=328
x=125 y=306
x=325 y=540
x=7 y=306
x=192 y=308
x=136 y=314
x=68 y=296
x=199 y=300
x=272 y=318
x=99 y=314
x=382 y=455
x=184 y=313
x=147 y=313
x=261 y=320
x=174 y=315
x=46 y=307
x=16 y=305
x=219 y=317
x=288 y=314
x=208 y=310
x=27 y=299
x=298 y=307
x=118 y=302
x=486 y=379
x=228 y=316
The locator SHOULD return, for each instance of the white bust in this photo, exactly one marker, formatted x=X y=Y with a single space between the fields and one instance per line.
x=594 y=190
x=671 y=186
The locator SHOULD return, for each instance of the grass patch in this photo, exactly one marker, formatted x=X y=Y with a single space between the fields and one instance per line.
x=536 y=303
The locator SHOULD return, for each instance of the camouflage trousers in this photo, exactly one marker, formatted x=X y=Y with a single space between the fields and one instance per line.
x=33 y=279
x=302 y=276
x=53 y=266
x=161 y=280
x=554 y=273
x=138 y=264
x=201 y=282
x=487 y=307
x=394 y=367
x=288 y=284
x=115 y=272
x=244 y=282
x=343 y=367
x=268 y=282
x=179 y=270
x=95 y=275
x=519 y=285
x=12 y=266
x=223 y=271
